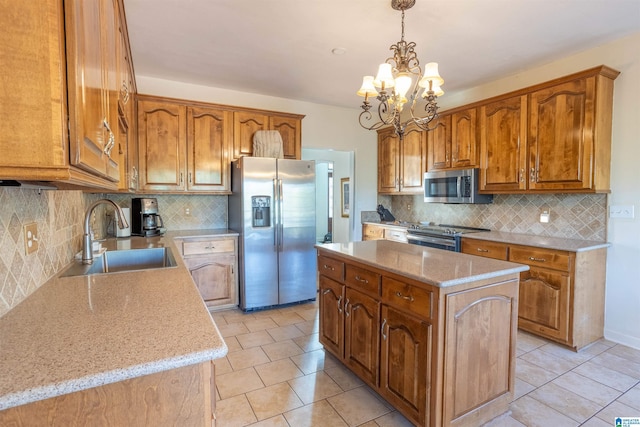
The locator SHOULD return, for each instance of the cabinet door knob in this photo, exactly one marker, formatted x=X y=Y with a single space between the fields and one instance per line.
x=339 y=304
x=384 y=323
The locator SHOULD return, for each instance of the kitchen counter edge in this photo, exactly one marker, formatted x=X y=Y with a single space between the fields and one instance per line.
x=558 y=243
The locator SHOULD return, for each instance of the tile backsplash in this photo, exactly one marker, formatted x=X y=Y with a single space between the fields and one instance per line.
x=575 y=216
x=59 y=216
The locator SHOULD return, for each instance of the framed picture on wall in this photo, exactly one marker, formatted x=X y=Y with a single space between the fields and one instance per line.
x=344 y=197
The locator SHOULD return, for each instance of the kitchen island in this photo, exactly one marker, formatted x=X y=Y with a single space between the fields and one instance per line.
x=432 y=331
x=134 y=348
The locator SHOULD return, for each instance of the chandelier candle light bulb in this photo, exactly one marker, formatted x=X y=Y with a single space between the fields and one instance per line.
x=398 y=75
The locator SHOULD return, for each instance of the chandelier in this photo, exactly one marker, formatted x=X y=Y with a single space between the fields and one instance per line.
x=396 y=76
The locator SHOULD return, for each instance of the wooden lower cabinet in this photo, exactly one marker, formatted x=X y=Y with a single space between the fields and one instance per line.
x=181 y=397
x=212 y=263
x=562 y=294
x=442 y=357
x=378 y=232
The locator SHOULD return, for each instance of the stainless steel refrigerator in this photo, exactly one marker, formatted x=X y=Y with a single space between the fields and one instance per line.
x=272 y=206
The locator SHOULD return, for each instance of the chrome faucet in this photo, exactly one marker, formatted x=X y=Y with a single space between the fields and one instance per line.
x=87 y=246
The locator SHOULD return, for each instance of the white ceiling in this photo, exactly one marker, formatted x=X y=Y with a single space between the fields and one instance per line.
x=284 y=48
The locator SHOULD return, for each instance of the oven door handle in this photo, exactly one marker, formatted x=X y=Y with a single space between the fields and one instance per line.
x=429 y=239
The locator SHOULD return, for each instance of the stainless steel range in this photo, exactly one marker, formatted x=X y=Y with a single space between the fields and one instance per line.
x=440 y=236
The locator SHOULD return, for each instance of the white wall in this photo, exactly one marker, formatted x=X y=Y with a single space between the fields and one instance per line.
x=324 y=127
x=622 y=318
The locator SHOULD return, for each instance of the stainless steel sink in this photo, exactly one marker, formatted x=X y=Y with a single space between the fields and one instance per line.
x=124 y=260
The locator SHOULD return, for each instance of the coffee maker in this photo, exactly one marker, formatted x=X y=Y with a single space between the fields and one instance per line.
x=145 y=220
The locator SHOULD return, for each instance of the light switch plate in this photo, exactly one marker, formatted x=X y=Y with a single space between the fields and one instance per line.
x=30 y=238
x=621 y=211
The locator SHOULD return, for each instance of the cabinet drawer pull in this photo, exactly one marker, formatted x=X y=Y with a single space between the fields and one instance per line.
x=209 y=247
x=328 y=267
x=339 y=303
x=346 y=308
x=360 y=279
x=537 y=259
x=405 y=297
x=483 y=250
x=384 y=336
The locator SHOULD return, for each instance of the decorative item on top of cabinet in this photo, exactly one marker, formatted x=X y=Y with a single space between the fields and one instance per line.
x=553 y=137
x=183 y=146
x=562 y=294
x=453 y=143
x=34 y=133
x=247 y=122
x=401 y=162
x=213 y=263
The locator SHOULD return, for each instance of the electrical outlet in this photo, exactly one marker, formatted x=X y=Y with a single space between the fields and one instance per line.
x=30 y=238
x=408 y=206
x=187 y=211
x=545 y=216
x=621 y=211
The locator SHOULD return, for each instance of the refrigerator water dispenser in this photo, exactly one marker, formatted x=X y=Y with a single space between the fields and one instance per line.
x=261 y=211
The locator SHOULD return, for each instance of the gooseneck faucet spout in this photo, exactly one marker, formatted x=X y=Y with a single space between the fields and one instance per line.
x=87 y=247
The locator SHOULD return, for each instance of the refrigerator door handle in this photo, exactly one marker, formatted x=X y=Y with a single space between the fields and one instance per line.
x=276 y=206
x=280 y=224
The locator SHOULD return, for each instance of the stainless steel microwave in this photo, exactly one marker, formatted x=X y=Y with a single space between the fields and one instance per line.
x=454 y=186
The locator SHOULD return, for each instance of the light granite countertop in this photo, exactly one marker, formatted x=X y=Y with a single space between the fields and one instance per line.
x=75 y=333
x=562 y=244
x=428 y=265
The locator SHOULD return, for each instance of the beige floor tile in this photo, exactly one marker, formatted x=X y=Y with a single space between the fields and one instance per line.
x=522 y=388
x=232 y=329
x=238 y=382
x=587 y=388
x=218 y=317
x=632 y=398
x=277 y=421
x=549 y=361
x=533 y=413
x=237 y=316
x=566 y=353
x=309 y=326
x=314 y=387
x=358 y=406
x=527 y=342
x=254 y=339
x=246 y=358
x=222 y=366
x=616 y=409
x=312 y=361
x=234 y=412
x=596 y=422
x=232 y=344
x=278 y=371
x=308 y=342
x=566 y=402
x=285 y=332
x=273 y=400
x=619 y=364
x=308 y=313
x=346 y=379
x=626 y=352
x=319 y=414
x=286 y=319
x=606 y=376
x=392 y=419
x=533 y=374
x=505 y=420
x=282 y=349
x=260 y=324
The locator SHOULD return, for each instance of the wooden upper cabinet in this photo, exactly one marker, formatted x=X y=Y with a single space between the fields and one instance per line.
x=561 y=136
x=439 y=144
x=503 y=133
x=247 y=123
x=464 y=138
x=91 y=56
x=208 y=144
x=161 y=146
x=401 y=162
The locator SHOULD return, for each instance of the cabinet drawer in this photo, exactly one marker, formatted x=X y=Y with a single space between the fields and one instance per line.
x=331 y=268
x=408 y=297
x=556 y=260
x=362 y=279
x=397 y=235
x=201 y=247
x=372 y=232
x=485 y=248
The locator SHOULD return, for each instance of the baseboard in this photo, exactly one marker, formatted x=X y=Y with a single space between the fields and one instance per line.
x=623 y=339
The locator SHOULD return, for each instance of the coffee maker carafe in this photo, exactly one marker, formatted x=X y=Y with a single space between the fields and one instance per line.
x=145 y=220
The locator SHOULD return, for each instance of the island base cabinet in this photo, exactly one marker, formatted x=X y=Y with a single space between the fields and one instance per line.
x=479 y=359
x=405 y=361
x=331 y=318
x=181 y=397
